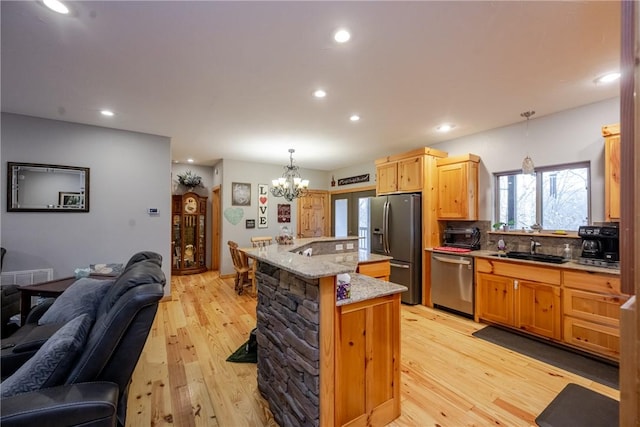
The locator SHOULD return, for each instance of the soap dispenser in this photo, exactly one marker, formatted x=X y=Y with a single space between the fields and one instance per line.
x=567 y=252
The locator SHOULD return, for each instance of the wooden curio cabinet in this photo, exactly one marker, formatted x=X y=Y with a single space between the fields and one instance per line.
x=188 y=231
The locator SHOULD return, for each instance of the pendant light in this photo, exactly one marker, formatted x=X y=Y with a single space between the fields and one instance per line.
x=527 y=164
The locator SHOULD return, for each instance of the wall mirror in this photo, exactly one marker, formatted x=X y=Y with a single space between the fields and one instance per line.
x=33 y=187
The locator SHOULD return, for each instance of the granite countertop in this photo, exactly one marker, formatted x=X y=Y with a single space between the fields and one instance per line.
x=571 y=265
x=365 y=287
x=315 y=266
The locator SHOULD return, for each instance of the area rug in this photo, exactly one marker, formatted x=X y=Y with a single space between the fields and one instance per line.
x=577 y=406
x=594 y=369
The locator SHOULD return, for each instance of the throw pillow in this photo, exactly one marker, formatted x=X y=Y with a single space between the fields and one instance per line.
x=83 y=296
x=52 y=362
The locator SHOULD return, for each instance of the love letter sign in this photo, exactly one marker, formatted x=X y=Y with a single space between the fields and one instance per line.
x=263 y=208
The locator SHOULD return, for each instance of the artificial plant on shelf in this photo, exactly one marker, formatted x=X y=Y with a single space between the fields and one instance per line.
x=189 y=180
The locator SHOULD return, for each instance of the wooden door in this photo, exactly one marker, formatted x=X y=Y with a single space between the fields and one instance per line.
x=314 y=214
x=495 y=298
x=538 y=309
x=215 y=228
x=612 y=173
x=387 y=180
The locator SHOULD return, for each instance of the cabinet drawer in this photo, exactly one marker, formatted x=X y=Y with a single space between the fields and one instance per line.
x=593 y=307
x=375 y=269
x=518 y=270
x=596 y=282
x=593 y=337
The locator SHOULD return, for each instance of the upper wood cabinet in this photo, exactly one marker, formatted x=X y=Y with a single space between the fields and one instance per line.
x=458 y=187
x=611 y=134
x=401 y=176
x=406 y=172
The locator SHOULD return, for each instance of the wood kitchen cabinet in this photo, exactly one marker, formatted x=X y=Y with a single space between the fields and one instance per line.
x=368 y=362
x=458 y=187
x=611 y=134
x=400 y=176
x=505 y=295
x=379 y=269
x=591 y=305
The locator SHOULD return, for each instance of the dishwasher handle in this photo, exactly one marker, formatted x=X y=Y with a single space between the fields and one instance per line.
x=452 y=260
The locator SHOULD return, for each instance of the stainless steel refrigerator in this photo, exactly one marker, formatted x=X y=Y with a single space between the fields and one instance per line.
x=396 y=230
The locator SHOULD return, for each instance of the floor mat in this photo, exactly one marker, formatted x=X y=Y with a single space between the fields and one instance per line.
x=577 y=406
x=595 y=370
x=243 y=355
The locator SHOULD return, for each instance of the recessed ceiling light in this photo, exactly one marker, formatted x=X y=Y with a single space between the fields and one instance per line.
x=319 y=93
x=108 y=113
x=445 y=127
x=190 y=160
x=56 y=6
x=608 y=78
x=342 y=36
x=354 y=118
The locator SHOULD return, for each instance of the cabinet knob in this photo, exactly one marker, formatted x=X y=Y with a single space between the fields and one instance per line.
x=515 y=284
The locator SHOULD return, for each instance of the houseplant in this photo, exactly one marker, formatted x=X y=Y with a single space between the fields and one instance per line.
x=189 y=180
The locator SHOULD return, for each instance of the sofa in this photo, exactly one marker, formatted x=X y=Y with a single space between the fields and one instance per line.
x=72 y=361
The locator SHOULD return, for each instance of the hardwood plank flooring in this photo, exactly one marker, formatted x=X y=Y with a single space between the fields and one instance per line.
x=449 y=378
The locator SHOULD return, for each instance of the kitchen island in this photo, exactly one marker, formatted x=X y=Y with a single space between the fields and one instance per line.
x=323 y=361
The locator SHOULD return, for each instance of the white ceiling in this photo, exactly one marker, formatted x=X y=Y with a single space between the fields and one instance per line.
x=234 y=80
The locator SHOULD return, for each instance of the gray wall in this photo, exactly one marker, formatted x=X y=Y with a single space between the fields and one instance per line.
x=257 y=173
x=129 y=172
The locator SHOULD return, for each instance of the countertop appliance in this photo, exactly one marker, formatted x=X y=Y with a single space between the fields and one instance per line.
x=396 y=231
x=600 y=245
x=464 y=238
x=452 y=283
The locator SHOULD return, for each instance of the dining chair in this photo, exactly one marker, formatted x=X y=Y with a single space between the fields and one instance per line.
x=244 y=272
x=258 y=242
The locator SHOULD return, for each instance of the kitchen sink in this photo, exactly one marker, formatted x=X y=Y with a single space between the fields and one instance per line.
x=554 y=259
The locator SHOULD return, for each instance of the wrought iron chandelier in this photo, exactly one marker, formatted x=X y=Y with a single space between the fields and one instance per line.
x=290 y=185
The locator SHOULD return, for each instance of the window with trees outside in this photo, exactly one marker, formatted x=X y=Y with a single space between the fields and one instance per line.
x=556 y=197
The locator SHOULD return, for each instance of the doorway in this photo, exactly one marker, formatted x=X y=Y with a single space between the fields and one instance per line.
x=350 y=216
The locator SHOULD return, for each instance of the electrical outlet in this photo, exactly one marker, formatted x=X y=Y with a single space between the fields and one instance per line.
x=339 y=247
x=349 y=246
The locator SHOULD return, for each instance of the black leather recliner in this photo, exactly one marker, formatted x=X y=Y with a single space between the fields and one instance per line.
x=99 y=378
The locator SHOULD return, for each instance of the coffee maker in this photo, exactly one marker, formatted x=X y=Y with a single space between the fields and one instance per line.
x=600 y=245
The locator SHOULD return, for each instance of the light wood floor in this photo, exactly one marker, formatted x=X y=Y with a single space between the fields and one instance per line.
x=449 y=378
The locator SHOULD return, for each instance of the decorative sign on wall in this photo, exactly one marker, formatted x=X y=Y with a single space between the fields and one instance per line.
x=249 y=223
x=263 y=199
x=240 y=194
x=354 y=179
x=284 y=213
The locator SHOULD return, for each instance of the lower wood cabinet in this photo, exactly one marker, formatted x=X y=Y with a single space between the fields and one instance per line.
x=517 y=302
x=379 y=269
x=578 y=308
x=591 y=304
x=367 y=384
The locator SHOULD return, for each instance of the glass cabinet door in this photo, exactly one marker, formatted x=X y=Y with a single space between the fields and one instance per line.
x=190 y=242
x=176 y=242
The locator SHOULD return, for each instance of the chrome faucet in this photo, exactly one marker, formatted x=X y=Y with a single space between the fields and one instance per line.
x=533 y=246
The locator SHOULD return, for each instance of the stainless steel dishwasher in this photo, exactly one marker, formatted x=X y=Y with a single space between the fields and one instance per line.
x=452 y=283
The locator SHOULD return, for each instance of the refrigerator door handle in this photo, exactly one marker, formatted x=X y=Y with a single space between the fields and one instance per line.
x=393 y=264
x=385 y=227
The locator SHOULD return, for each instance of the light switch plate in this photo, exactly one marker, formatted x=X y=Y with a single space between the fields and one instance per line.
x=339 y=247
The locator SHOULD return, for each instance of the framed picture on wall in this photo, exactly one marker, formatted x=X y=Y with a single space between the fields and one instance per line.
x=69 y=200
x=240 y=194
x=250 y=223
